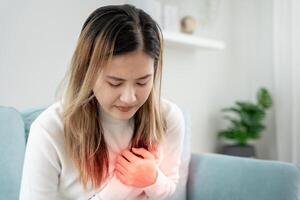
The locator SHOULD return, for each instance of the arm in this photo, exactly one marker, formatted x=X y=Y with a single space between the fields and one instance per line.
x=168 y=169
x=41 y=167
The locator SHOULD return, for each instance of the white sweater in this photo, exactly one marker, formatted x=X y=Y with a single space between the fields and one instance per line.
x=48 y=173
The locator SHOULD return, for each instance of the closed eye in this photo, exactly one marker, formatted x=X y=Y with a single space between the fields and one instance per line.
x=113 y=85
x=116 y=85
x=142 y=84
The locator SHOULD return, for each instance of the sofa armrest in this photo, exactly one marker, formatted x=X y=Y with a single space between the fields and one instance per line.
x=12 y=148
x=215 y=176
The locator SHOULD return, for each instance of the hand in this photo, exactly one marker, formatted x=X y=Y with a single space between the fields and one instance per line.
x=136 y=171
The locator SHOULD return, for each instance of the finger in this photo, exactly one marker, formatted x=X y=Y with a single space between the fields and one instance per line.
x=143 y=152
x=121 y=169
x=130 y=156
x=123 y=162
x=121 y=177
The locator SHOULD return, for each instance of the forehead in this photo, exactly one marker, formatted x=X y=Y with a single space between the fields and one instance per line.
x=130 y=66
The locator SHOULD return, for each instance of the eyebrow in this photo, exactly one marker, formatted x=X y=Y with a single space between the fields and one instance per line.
x=120 y=79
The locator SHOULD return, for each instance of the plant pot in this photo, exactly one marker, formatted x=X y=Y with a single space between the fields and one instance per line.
x=239 y=150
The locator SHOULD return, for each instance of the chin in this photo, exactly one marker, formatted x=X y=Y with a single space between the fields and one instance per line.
x=124 y=115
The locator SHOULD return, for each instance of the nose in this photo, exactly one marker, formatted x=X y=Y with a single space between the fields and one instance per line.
x=128 y=96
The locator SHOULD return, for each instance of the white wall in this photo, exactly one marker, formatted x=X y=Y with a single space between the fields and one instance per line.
x=195 y=79
x=253 y=51
x=210 y=80
x=38 y=39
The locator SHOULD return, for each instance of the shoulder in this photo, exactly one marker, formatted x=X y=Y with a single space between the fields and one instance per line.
x=49 y=123
x=51 y=116
x=172 y=143
x=45 y=144
x=171 y=110
x=173 y=114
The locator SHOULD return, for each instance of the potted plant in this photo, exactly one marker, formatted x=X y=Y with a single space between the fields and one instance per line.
x=245 y=122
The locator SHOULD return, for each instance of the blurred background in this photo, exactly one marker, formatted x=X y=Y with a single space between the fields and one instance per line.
x=217 y=52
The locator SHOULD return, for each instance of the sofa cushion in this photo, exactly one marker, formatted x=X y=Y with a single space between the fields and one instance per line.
x=12 y=151
x=214 y=176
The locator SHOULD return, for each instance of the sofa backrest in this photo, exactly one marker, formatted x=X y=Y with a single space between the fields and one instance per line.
x=12 y=149
x=215 y=176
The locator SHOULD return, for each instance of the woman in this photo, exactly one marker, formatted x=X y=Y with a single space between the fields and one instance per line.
x=110 y=136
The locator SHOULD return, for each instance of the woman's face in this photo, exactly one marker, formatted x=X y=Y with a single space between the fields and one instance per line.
x=124 y=85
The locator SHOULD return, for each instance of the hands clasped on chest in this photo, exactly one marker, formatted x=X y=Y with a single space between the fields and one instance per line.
x=137 y=168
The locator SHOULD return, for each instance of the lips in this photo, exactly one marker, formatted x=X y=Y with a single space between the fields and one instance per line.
x=124 y=109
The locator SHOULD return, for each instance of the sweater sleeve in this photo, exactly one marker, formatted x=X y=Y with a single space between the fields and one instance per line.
x=168 y=169
x=41 y=167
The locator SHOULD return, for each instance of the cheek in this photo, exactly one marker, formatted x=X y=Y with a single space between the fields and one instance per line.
x=103 y=94
x=144 y=92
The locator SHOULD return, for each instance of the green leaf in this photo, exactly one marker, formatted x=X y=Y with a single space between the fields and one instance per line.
x=264 y=98
x=247 y=122
x=231 y=109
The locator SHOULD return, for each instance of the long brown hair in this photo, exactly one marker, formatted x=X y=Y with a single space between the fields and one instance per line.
x=108 y=31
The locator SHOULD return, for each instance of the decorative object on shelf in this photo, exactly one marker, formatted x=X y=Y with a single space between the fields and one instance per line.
x=188 y=24
x=247 y=124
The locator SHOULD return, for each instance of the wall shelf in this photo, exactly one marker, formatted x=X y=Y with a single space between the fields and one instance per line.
x=181 y=39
